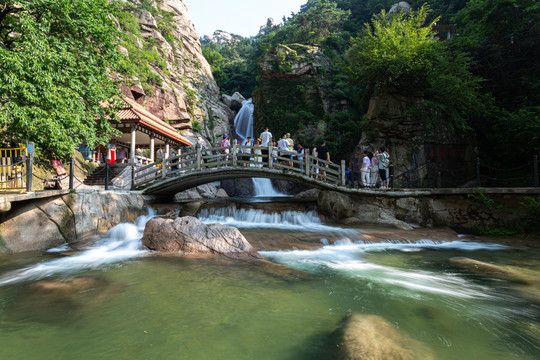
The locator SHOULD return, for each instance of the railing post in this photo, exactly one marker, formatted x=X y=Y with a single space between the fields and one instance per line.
x=342 y=170
x=71 y=172
x=133 y=176
x=428 y=175
x=391 y=172
x=478 y=180
x=307 y=164
x=270 y=160
x=535 y=166
x=106 y=173
x=199 y=158
x=234 y=155
x=29 y=164
x=164 y=168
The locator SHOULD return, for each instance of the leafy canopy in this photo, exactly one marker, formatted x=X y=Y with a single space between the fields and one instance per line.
x=398 y=53
x=55 y=60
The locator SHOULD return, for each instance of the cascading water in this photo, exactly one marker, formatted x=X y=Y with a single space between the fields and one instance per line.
x=243 y=125
x=243 y=122
x=256 y=218
x=120 y=243
x=351 y=259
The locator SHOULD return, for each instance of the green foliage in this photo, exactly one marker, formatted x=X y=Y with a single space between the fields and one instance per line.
x=197 y=126
x=529 y=223
x=505 y=221
x=503 y=37
x=234 y=65
x=316 y=21
x=55 y=60
x=397 y=53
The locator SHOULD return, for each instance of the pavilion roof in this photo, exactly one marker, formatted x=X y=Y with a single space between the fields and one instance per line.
x=133 y=112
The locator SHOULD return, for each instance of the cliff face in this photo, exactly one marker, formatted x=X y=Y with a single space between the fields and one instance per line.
x=296 y=93
x=165 y=70
x=424 y=151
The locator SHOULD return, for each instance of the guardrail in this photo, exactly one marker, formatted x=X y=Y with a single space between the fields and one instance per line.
x=239 y=156
x=13 y=168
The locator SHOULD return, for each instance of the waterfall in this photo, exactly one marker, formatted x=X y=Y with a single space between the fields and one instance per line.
x=243 y=125
x=243 y=122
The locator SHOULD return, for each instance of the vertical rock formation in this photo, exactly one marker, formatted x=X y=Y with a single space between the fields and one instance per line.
x=424 y=151
x=177 y=83
x=295 y=91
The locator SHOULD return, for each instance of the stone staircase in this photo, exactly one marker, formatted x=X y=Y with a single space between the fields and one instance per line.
x=99 y=174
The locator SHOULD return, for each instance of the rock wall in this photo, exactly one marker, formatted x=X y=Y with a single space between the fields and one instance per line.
x=295 y=92
x=182 y=89
x=468 y=211
x=417 y=146
x=45 y=223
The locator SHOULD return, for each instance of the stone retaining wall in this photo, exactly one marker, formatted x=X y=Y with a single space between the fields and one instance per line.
x=462 y=210
x=45 y=223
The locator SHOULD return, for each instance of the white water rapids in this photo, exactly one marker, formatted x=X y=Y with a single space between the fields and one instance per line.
x=349 y=259
x=120 y=243
x=345 y=257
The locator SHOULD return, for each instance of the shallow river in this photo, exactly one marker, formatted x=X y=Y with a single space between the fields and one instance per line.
x=142 y=306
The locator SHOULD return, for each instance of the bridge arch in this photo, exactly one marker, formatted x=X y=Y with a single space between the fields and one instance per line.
x=201 y=166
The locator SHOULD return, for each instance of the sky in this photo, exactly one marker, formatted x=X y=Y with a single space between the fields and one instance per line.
x=240 y=17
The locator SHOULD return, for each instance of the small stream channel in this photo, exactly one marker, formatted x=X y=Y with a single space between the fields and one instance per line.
x=130 y=304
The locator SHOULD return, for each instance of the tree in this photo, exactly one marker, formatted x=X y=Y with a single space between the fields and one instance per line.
x=316 y=21
x=399 y=53
x=55 y=62
x=503 y=37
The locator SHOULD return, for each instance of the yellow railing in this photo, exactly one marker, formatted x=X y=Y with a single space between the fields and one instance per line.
x=13 y=168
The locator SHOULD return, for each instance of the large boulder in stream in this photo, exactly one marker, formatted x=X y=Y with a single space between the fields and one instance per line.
x=188 y=235
x=370 y=337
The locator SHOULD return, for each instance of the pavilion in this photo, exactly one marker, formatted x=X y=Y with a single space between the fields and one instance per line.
x=142 y=129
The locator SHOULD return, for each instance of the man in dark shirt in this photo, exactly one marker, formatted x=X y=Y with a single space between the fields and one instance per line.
x=323 y=154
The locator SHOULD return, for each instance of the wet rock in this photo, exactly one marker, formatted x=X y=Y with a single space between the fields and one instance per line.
x=65 y=288
x=351 y=211
x=188 y=235
x=191 y=208
x=492 y=271
x=238 y=187
x=370 y=337
x=308 y=194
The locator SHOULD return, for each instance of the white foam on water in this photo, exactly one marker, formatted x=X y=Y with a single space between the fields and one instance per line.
x=257 y=218
x=120 y=243
x=347 y=258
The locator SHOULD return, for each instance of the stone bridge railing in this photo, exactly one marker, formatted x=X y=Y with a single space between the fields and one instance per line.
x=239 y=156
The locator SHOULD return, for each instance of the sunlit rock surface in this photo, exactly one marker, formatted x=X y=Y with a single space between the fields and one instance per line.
x=188 y=235
x=370 y=337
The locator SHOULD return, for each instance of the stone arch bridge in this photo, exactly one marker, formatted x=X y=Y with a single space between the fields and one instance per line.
x=200 y=166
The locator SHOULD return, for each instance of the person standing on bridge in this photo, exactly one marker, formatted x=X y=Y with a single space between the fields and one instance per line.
x=225 y=145
x=384 y=163
x=266 y=138
x=323 y=154
x=366 y=169
x=247 y=150
x=283 y=146
x=258 y=151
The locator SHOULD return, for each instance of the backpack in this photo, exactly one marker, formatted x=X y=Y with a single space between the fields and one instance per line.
x=383 y=159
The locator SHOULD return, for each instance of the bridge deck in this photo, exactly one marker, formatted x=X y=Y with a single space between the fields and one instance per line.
x=201 y=166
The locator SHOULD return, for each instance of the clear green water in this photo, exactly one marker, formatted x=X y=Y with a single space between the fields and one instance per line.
x=180 y=308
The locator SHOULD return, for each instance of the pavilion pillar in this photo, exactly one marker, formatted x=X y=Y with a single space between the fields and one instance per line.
x=132 y=144
x=152 y=156
x=167 y=150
